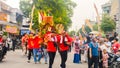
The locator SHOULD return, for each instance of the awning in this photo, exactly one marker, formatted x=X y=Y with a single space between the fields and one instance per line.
x=7 y=23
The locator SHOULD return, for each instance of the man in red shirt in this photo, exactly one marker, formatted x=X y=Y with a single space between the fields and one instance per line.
x=116 y=45
x=36 y=48
x=49 y=40
x=30 y=46
x=64 y=43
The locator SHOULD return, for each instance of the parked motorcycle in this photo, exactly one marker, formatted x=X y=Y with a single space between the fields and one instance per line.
x=114 y=61
x=1 y=52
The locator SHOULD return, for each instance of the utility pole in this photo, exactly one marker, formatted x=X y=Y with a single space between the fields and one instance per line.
x=116 y=18
x=119 y=20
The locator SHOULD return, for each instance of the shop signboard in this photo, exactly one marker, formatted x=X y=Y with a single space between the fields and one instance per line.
x=23 y=31
x=3 y=17
x=11 y=29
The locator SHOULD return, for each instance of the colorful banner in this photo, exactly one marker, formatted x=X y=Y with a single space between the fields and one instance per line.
x=11 y=29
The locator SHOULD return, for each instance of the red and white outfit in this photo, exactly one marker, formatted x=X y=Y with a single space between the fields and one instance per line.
x=115 y=47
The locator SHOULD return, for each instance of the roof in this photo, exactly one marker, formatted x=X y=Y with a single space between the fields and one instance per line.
x=7 y=23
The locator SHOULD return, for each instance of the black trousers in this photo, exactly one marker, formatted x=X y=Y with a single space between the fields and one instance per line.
x=95 y=61
x=100 y=64
x=63 y=55
x=8 y=47
x=30 y=53
x=4 y=51
x=51 y=58
x=13 y=47
x=89 y=63
x=26 y=48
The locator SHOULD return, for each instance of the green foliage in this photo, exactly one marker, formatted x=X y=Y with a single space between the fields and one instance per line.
x=26 y=7
x=61 y=10
x=35 y=20
x=95 y=27
x=108 y=24
x=72 y=33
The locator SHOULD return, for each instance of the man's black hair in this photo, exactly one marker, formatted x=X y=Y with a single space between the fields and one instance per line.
x=116 y=39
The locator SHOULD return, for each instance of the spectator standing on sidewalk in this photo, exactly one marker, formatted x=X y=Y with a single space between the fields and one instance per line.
x=76 y=50
x=94 y=53
x=14 y=43
x=105 y=58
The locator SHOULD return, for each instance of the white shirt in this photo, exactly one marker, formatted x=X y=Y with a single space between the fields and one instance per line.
x=102 y=47
x=109 y=46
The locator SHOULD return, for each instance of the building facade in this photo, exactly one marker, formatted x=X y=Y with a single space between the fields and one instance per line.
x=9 y=18
x=114 y=13
x=106 y=8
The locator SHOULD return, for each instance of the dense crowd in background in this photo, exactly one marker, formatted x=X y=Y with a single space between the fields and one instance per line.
x=91 y=48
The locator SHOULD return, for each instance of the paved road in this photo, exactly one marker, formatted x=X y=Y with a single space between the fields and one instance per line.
x=17 y=60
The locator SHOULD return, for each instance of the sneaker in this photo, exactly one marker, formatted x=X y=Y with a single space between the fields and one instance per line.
x=35 y=62
x=46 y=63
x=28 y=61
x=39 y=62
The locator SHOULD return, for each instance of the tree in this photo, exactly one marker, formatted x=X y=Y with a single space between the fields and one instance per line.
x=26 y=7
x=61 y=10
x=95 y=27
x=108 y=24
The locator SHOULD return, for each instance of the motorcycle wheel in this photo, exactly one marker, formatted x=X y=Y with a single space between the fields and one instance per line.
x=118 y=65
x=112 y=66
x=1 y=57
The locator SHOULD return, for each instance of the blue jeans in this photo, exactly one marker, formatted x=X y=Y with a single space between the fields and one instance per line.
x=36 y=52
x=45 y=55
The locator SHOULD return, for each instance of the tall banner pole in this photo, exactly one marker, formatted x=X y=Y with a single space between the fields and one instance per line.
x=30 y=28
x=98 y=17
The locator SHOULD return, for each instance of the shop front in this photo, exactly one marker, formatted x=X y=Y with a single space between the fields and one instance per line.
x=12 y=29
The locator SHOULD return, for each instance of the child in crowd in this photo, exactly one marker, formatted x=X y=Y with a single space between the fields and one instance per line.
x=105 y=58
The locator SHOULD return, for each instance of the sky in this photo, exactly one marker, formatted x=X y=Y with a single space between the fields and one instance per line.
x=83 y=10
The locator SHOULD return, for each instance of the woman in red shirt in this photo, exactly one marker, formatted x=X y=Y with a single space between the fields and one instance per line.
x=30 y=46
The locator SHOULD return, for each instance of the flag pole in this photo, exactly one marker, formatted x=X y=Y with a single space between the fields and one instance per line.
x=30 y=28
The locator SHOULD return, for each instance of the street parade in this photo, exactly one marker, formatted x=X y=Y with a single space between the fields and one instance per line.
x=59 y=34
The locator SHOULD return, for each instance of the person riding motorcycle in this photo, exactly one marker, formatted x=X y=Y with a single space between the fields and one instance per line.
x=3 y=50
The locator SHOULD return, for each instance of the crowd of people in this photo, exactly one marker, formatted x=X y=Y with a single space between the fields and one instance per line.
x=94 y=48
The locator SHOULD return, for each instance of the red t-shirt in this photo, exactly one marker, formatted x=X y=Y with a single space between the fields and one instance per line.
x=30 y=43
x=50 y=44
x=51 y=47
x=37 y=42
x=62 y=46
x=1 y=40
x=115 y=47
